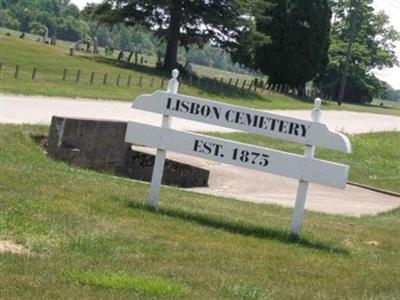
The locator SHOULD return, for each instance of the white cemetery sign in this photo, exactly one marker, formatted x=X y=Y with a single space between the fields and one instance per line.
x=305 y=168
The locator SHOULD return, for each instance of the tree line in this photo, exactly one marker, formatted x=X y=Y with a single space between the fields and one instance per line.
x=293 y=42
x=65 y=22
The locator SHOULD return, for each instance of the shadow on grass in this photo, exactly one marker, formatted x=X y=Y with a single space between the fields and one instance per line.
x=241 y=228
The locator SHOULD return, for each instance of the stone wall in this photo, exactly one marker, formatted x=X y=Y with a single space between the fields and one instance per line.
x=100 y=145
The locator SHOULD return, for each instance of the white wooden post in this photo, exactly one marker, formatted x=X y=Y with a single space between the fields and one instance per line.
x=303 y=185
x=158 y=168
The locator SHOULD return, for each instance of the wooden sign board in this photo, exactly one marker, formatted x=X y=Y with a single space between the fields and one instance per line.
x=304 y=168
x=244 y=119
x=238 y=154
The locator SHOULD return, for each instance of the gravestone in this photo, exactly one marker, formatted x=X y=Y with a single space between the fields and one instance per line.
x=159 y=60
x=77 y=46
x=95 y=45
x=120 y=56
x=46 y=35
x=87 y=43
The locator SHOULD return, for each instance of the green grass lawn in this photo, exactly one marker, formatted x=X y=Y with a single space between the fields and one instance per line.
x=92 y=236
x=386 y=103
x=50 y=62
x=375 y=160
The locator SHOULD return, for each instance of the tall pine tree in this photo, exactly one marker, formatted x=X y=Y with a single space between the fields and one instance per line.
x=181 y=22
x=299 y=41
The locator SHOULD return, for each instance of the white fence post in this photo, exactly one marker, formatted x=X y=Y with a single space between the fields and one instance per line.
x=303 y=185
x=158 y=168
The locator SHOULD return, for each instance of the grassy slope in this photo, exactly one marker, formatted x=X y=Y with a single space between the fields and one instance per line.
x=374 y=161
x=51 y=61
x=94 y=238
x=386 y=103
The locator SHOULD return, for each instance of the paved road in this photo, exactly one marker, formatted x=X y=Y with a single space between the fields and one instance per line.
x=254 y=186
x=228 y=181
x=35 y=109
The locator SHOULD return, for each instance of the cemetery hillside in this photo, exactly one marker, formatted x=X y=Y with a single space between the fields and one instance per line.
x=111 y=79
x=180 y=149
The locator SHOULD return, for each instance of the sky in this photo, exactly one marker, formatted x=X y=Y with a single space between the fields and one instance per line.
x=391 y=8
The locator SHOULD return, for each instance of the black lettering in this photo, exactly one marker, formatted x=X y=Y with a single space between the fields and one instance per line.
x=304 y=130
x=205 y=111
x=228 y=115
x=185 y=107
x=169 y=103
x=194 y=109
x=255 y=121
x=248 y=119
x=264 y=123
x=283 y=126
x=296 y=129
x=197 y=144
x=177 y=105
x=273 y=122
x=217 y=112
x=207 y=147
x=290 y=131
x=239 y=118
x=217 y=150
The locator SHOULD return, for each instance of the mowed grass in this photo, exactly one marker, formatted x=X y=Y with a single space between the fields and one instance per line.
x=50 y=62
x=386 y=103
x=375 y=160
x=92 y=236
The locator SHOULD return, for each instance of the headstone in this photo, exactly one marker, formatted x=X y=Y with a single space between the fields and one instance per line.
x=95 y=45
x=120 y=56
x=46 y=35
x=130 y=57
x=87 y=43
x=188 y=68
x=159 y=61
x=77 y=46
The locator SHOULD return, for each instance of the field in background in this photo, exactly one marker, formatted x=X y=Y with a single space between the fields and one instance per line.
x=386 y=103
x=148 y=60
x=92 y=236
x=50 y=62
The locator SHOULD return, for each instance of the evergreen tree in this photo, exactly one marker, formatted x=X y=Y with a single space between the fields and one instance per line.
x=181 y=22
x=299 y=40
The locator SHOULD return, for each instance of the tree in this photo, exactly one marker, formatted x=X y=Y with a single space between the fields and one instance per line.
x=8 y=20
x=299 y=40
x=180 y=22
x=36 y=28
x=373 y=48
